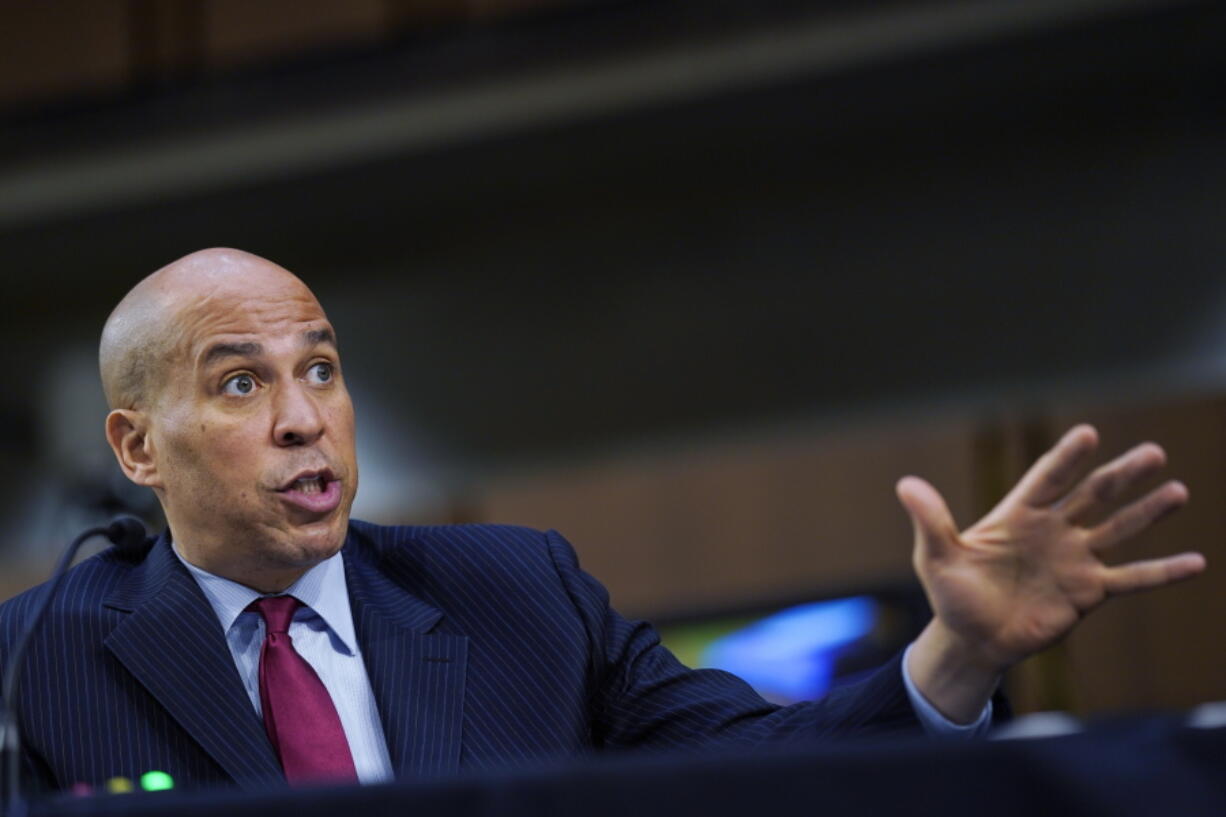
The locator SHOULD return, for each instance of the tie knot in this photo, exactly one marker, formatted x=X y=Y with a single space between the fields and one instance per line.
x=278 y=611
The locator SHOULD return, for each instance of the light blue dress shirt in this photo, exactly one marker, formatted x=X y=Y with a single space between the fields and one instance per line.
x=323 y=634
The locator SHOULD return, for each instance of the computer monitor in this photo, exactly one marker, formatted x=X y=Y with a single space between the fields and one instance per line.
x=799 y=649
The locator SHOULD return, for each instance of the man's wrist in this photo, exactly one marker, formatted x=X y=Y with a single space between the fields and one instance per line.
x=932 y=720
x=955 y=678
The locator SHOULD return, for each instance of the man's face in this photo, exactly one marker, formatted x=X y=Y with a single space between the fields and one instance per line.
x=253 y=432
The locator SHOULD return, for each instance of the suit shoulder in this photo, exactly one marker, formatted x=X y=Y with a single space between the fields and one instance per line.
x=468 y=549
x=474 y=538
x=83 y=588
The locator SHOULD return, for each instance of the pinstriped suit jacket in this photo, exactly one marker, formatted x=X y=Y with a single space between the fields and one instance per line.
x=485 y=646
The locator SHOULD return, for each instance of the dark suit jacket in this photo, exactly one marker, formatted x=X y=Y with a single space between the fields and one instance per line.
x=485 y=646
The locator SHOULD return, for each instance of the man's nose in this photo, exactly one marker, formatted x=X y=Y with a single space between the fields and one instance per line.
x=298 y=420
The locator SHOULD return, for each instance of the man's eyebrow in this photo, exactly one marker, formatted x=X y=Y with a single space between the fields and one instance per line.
x=223 y=350
x=314 y=337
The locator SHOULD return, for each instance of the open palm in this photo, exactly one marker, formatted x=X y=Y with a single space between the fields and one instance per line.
x=1024 y=575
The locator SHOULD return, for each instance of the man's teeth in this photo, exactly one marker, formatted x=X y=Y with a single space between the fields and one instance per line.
x=309 y=485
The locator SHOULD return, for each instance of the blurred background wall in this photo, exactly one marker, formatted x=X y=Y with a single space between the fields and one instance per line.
x=692 y=282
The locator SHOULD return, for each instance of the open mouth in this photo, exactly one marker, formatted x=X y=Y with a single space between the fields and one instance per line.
x=308 y=485
x=313 y=491
x=309 y=482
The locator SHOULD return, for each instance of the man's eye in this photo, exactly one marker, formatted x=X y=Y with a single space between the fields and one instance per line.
x=320 y=372
x=240 y=384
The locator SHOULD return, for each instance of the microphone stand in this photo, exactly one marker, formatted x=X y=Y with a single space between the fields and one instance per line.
x=122 y=532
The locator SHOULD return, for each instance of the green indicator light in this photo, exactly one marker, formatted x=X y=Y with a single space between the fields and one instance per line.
x=156 y=781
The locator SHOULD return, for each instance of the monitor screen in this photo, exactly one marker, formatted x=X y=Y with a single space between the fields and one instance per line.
x=799 y=650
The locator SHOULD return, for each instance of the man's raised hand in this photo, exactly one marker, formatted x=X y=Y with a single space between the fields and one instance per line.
x=1023 y=576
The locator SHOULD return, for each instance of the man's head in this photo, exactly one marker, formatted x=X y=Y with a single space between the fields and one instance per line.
x=226 y=397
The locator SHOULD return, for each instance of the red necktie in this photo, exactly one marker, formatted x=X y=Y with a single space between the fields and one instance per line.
x=299 y=716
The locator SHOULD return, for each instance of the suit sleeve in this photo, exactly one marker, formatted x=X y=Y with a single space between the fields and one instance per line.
x=643 y=697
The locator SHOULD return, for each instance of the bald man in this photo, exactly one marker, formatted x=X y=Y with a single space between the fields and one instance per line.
x=266 y=637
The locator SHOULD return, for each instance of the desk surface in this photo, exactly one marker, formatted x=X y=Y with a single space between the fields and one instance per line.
x=1142 y=766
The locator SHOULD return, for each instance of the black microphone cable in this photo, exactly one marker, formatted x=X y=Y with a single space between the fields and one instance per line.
x=126 y=533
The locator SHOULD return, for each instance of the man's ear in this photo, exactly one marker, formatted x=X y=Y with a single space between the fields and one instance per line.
x=127 y=431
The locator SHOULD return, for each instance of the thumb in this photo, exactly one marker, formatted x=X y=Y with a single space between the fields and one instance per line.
x=934 y=525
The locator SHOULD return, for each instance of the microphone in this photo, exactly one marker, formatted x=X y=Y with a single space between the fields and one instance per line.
x=126 y=533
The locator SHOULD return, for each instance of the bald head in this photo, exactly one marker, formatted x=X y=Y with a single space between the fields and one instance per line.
x=142 y=336
x=227 y=399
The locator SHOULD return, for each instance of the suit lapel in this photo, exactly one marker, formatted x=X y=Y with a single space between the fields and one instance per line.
x=173 y=644
x=417 y=676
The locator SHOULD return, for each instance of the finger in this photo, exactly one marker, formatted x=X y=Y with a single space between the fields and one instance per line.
x=1151 y=573
x=1109 y=483
x=1057 y=470
x=1133 y=518
x=934 y=525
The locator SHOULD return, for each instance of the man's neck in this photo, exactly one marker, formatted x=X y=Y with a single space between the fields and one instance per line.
x=265 y=581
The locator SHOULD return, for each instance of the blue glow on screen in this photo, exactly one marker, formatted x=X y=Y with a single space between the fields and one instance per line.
x=791 y=654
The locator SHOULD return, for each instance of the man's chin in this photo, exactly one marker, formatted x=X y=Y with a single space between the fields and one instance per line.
x=321 y=538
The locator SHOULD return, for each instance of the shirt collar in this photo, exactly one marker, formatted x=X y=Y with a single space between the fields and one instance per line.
x=322 y=588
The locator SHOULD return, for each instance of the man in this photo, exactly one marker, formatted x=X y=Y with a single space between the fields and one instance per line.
x=267 y=637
